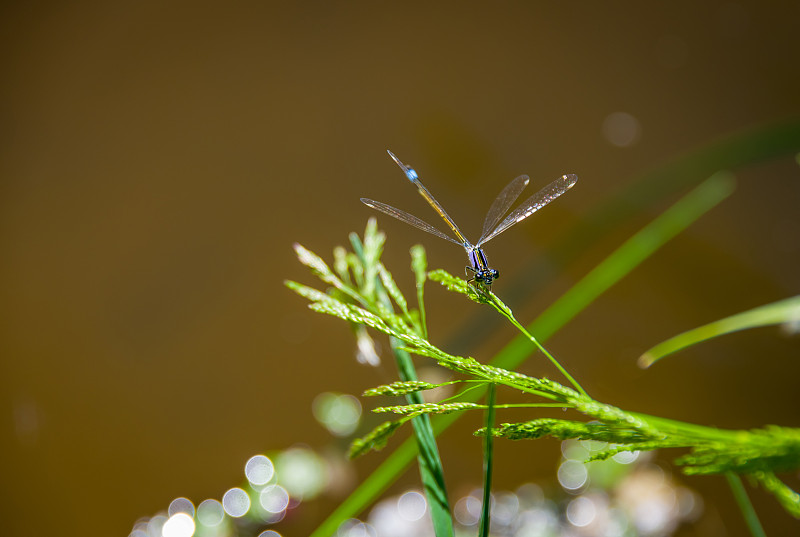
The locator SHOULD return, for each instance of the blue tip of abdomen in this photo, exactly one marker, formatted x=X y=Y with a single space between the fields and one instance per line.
x=411 y=174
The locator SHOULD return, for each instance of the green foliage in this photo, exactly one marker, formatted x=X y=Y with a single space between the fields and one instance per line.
x=757 y=453
x=362 y=292
x=713 y=450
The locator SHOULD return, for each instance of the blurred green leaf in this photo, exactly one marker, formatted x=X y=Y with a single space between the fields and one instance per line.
x=783 y=311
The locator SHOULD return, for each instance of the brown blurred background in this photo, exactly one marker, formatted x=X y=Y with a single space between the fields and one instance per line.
x=160 y=158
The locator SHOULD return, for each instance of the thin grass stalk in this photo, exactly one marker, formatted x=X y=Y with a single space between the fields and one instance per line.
x=488 y=459
x=746 y=507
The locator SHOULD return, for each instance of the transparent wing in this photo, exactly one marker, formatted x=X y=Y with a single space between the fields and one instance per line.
x=533 y=204
x=412 y=176
x=407 y=218
x=502 y=203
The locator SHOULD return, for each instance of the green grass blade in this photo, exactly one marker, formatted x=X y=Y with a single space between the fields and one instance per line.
x=430 y=463
x=743 y=501
x=378 y=282
x=488 y=459
x=419 y=265
x=782 y=311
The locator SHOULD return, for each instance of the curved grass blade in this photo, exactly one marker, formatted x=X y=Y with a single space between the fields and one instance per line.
x=782 y=311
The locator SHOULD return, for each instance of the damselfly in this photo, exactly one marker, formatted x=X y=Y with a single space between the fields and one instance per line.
x=492 y=226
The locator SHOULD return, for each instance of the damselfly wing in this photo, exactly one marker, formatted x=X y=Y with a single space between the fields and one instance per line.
x=493 y=225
